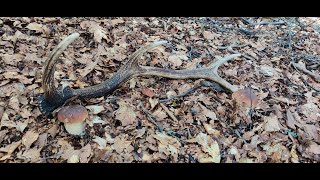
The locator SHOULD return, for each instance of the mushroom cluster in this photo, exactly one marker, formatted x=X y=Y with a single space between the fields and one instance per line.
x=73 y=118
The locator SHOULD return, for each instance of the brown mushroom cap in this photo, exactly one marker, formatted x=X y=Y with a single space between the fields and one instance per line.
x=245 y=97
x=72 y=114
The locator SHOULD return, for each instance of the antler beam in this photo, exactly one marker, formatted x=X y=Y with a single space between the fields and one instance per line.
x=55 y=97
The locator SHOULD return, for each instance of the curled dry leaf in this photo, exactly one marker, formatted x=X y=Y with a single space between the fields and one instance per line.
x=209 y=146
x=29 y=138
x=167 y=145
x=9 y=149
x=148 y=92
x=125 y=113
x=245 y=97
x=100 y=141
x=94 y=109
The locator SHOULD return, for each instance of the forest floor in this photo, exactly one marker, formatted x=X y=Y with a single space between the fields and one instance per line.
x=133 y=124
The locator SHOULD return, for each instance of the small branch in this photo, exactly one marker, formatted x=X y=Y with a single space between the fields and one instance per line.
x=169 y=113
x=229 y=48
x=180 y=95
x=261 y=23
x=150 y=117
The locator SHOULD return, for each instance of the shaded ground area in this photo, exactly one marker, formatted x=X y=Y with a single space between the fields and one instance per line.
x=134 y=124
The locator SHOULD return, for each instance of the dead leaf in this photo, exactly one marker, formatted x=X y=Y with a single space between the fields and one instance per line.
x=21 y=125
x=32 y=155
x=153 y=102
x=2 y=135
x=53 y=130
x=29 y=138
x=94 y=109
x=290 y=120
x=167 y=145
x=209 y=146
x=209 y=114
x=271 y=123
x=74 y=159
x=140 y=132
x=98 y=32
x=35 y=27
x=14 y=103
x=6 y=122
x=121 y=143
x=311 y=111
x=10 y=147
x=100 y=141
x=148 y=92
x=117 y=21
x=210 y=130
x=175 y=60
x=85 y=153
x=125 y=113
x=209 y=35
x=313 y=148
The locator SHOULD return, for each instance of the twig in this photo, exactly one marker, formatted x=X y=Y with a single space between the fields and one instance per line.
x=180 y=95
x=150 y=117
x=229 y=48
x=261 y=23
x=169 y=112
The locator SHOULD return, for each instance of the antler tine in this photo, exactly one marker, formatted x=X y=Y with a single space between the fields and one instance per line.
x=48 y=72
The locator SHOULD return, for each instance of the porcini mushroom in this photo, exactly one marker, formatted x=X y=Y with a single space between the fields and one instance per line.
x=245 y=97
x=73 y=118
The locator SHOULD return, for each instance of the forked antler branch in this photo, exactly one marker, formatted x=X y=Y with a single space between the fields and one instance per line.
x=54 y=97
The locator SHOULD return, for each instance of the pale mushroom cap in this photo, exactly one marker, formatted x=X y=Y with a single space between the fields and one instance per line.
x=245 y=97
x=72 y=114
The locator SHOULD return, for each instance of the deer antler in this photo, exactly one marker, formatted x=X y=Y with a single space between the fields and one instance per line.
x=54 y=97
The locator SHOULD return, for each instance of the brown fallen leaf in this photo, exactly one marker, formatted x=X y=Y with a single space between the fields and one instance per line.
x=148 y=92
x=21 y=125
x=121 y=143
x=85 y=153
x=35 y=27
x=31 y=155
x=116 y=21
x=53 y=130
x=3 y=134
x=29 y=138
x=125 y=113
x=209 y=146
x=313 y=148
x=100 y=141
x=98 y=32
x=208 y=113
x=175 y=60
x=209 y=35
x=6 y=122
x=167 y=145
x=9 y=149
x=94 y=109
x=271 y=123
x=14 y=103
x=290 y=120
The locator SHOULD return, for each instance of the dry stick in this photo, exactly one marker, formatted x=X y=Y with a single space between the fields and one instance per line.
x=229 y=48
x=151 y=118
x=180 y=95
x=261 y=23
x=169 y=112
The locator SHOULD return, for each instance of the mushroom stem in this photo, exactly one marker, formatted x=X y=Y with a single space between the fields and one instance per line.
x=75 y=128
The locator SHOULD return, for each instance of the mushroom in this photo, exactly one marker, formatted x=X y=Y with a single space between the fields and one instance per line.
x=245 y=98
x=73 y=118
